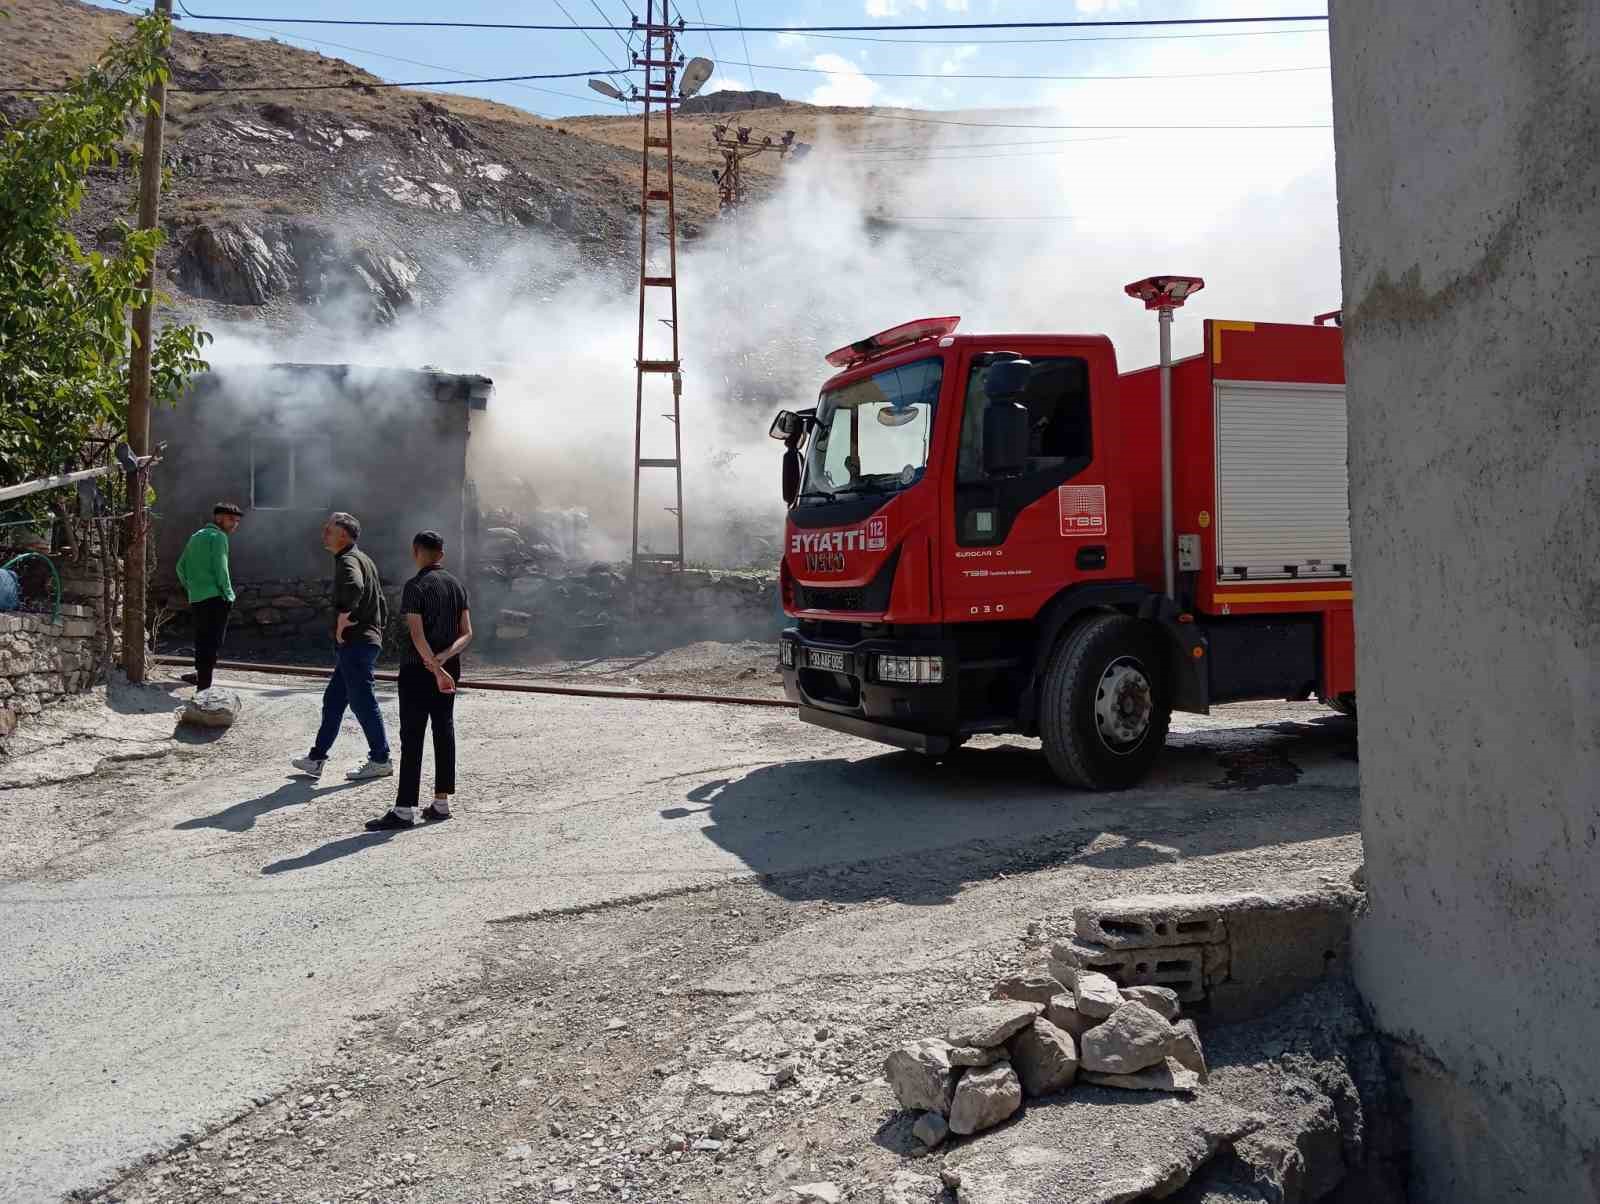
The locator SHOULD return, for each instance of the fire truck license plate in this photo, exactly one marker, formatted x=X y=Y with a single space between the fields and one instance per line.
x=832 y=661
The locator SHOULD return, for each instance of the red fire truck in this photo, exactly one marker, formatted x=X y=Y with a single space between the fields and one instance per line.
x=1002 y=533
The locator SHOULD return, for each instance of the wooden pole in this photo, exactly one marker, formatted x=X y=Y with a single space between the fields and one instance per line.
x=133 y=594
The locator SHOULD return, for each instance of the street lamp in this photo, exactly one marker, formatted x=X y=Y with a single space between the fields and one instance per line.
x=695 y=75
x=606 y=89
x=1165 y=294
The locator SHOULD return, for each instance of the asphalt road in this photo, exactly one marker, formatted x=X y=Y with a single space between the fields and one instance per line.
x=221 y=936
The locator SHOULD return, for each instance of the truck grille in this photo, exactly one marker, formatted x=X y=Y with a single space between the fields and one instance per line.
x=872 y=597
x=817 y=598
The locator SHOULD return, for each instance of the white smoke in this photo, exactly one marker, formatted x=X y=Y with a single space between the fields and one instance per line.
x=933 y=219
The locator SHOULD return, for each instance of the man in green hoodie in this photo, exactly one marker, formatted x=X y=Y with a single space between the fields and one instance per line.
x=203 y=570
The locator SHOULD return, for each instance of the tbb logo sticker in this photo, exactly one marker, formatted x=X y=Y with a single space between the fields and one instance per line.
x=1082 y=509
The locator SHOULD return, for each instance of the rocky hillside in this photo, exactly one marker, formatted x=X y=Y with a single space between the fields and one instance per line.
x=360 y=197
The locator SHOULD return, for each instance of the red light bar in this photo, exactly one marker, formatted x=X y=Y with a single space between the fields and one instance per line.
x=1164 y=292
x=888 y=340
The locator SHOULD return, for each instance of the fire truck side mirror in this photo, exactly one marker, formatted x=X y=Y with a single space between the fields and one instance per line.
x=1005 y=438
x=786 y=425
x=1007 y=380
x=791 y=476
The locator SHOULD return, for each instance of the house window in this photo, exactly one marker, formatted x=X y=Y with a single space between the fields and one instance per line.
x=272 y=474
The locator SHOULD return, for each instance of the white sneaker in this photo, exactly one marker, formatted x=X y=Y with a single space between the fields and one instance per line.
x=372 y=769
x=309 y=766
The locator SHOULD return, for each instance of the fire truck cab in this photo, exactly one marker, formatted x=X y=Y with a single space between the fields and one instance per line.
x=974 y=540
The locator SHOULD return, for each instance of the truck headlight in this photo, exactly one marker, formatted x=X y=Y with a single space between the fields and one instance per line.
x=911 y=670
x=786 y=653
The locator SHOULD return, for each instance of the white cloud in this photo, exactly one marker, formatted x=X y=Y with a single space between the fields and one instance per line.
x=724 y=83
x=893 y=8
x=951 y=63
x=849 y=86
x=789 y=41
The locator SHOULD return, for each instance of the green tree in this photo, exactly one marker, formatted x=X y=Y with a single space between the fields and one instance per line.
x=65 y=329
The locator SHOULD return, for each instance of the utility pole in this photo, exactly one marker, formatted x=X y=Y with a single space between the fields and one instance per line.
x=660 y=63
x=736 y=148
x=133 y=594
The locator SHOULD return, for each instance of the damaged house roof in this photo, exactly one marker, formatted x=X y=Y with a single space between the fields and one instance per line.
x=447 y=386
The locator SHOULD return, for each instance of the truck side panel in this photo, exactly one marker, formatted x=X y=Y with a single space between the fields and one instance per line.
x=1139 y=412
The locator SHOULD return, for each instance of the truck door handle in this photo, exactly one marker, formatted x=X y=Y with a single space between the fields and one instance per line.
x=1092 y=557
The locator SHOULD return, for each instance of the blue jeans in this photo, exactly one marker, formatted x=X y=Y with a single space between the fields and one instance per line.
x=351 y=686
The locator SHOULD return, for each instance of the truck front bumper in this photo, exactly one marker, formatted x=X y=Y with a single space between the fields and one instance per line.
x=836 y=686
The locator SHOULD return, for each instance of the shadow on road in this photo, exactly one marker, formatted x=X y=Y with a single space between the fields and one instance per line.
x=345 y=846
x=911 y=829
x=242 y=816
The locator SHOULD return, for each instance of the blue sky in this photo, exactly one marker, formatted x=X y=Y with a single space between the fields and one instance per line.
x=854 y=69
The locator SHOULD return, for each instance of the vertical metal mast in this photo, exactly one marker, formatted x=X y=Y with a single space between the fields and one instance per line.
x=660 y=70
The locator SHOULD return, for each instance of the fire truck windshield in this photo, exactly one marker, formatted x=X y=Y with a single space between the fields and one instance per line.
x=872 y=436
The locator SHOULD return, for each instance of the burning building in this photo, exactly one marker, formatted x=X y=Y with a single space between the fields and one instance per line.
x=292 y=442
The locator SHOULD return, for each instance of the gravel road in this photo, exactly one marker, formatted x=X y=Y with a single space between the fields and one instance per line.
x=188 y=935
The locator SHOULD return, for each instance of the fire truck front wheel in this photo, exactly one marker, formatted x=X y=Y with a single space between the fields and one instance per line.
x=1104 y=708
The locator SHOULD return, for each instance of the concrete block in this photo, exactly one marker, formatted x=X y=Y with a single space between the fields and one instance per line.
x=1215 y=961
x=1304 y=935
x=1180 y=968
x=1149 y=921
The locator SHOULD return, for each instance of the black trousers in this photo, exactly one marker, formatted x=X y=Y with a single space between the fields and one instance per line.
x=210 y=625
x=421 y=703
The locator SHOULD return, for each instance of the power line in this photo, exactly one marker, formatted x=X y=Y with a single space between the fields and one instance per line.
x=876 y=149
x=627 y=46
x=701 y=8
x=744 y=37
x=1117 y=24
x=413 y=62
x=1006 y=125
x=1015 y=75
x=742 y=28
x=588 y=36
x=1131 y=37
x=350 y=85
x=974 y=217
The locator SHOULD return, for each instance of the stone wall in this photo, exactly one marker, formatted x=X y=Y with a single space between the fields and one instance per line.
x=1469 y=213
x=602 y=611
x=275 y=617
x=42 y=662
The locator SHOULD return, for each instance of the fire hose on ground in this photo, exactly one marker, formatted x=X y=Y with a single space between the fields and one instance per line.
x=508 y=687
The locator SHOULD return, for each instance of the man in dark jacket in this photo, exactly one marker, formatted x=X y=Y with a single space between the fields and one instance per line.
x=361 y=614
x=438 y=628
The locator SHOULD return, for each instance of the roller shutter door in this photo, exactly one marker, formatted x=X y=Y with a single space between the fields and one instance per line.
x=1283 y=487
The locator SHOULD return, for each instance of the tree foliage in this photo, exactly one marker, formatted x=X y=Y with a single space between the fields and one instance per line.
x=65 y=313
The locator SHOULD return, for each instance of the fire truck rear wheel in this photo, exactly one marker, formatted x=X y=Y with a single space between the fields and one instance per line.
x=1105 y=708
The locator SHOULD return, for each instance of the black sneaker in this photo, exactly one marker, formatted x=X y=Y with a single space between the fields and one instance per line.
x=430 y=816
x=389 y=822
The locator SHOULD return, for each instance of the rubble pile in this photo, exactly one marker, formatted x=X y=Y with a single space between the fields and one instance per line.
x=1098 y=1018
x=1036 y=1037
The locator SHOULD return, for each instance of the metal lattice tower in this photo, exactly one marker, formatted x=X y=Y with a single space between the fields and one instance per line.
x=658 y=59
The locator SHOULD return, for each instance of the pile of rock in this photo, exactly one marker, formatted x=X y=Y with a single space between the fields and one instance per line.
x=1036 y=1037
x=601 y=608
